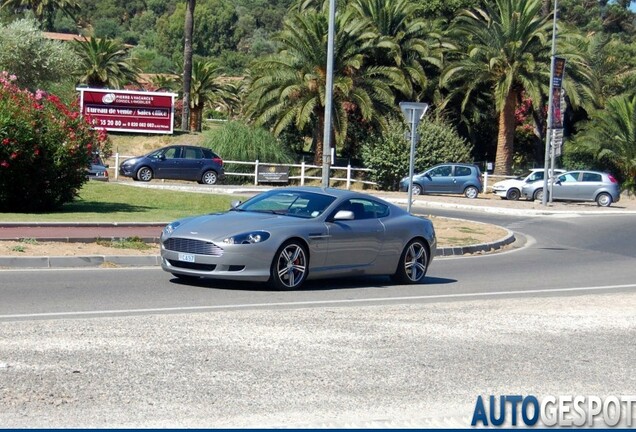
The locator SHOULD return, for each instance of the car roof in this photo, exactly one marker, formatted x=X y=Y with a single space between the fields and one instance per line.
x=338 y=193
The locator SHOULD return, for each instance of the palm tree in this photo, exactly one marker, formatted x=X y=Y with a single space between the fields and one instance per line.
x=404 y=39
x=105 y=63
x=44 y=10
x=505 y=48
x=188 y=30
x=208 y=89
x=610 y=135
x=288 y=89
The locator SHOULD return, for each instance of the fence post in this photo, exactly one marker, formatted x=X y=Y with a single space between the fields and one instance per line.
x=349 y=176
x=485 y=181
x=116 y=166
x=256 y=173
x=302 y=173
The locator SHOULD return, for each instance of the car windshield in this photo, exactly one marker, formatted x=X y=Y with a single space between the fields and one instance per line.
x=290 y=203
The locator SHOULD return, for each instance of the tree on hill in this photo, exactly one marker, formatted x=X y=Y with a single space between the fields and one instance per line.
x=45 y=10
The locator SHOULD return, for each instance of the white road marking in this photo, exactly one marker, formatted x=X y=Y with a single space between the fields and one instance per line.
x=319 y=302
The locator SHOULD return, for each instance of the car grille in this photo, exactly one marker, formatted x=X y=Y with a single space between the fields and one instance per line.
x=198 y=247
x=192 y=266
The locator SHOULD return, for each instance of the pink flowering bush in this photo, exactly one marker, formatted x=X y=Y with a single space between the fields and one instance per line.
x=45 y=149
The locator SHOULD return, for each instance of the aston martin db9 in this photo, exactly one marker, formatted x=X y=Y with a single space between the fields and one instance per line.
x=289 y=235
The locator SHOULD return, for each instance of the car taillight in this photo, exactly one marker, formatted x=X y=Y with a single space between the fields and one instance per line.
x=612 y=179
x=218 y=160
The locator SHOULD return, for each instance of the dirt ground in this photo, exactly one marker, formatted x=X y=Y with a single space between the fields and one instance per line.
x=450 y=232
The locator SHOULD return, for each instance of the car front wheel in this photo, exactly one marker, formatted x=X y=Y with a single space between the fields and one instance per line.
x=413 y=263
x=538 y=195
x=604 y=200
x=144 y=174
x=417 y=189
x=513 y=194
x=471 y=192
x=209 y=177
x=289 y=267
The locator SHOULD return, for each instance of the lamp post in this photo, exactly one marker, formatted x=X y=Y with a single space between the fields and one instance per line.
x=326 y=148
x=546 y=166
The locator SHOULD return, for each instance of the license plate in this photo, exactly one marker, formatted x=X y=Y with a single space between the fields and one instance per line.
x=186 y=257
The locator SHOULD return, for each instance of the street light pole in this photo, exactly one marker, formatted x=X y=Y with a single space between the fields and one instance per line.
x=548 y=129
x=326 y=148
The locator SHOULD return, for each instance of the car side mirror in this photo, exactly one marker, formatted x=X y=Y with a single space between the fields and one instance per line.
x=234 y=204
x=344 y=215
x=162 y=157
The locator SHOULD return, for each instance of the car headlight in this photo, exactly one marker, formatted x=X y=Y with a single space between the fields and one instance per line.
x=247 y=238
x=169 y=229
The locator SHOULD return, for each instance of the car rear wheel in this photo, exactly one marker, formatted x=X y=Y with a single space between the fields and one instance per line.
x=604 y=200
x=144 y=174
x=471 y=192
x=209 y=177
x=413 y=263
x=513 y=194
x=289 y=267
x=417 y=189
x=538 y=195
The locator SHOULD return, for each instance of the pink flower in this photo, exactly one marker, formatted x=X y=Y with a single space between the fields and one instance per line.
x=6 y=141
x=4 y=164
x=14 y=155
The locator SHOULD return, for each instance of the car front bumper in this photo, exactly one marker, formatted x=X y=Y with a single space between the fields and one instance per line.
x=233 y=264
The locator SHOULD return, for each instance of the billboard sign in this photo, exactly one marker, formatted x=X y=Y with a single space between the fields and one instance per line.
x=128 y=110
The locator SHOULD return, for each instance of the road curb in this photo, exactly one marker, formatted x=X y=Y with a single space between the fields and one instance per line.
x=46 y=262
x=80 y=261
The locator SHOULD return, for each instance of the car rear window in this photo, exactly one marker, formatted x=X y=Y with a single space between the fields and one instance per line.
x=462 y=171
x=591 y=177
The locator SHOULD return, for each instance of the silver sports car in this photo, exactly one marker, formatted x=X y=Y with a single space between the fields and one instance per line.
x=288 y=235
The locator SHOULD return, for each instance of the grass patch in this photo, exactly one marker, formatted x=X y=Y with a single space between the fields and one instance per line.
x=470 y=230
x=461 y=241
x=18 y=248
x=117 y=202
x=128 y=243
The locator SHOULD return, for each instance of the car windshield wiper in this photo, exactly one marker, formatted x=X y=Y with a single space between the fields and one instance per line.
x=276 y=212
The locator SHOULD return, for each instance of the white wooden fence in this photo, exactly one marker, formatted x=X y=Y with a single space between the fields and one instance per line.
x=300 y=172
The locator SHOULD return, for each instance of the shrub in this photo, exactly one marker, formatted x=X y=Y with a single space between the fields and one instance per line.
x=388 y=155
x=45 y=149
x=240 y=142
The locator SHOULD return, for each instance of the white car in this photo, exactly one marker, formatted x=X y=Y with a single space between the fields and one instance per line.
x=510 y=189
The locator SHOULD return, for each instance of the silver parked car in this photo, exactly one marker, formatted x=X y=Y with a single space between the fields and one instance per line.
x=578 y=186
x=288 y=235
x=448 y=178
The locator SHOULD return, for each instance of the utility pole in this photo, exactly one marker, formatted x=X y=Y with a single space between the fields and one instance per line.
x=326 y=149
x=548 y=133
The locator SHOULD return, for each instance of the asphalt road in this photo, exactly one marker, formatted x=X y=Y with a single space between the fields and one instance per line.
x=554 y=315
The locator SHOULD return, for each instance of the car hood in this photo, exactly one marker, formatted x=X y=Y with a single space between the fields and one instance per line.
x=509 y=183
x=221 y=225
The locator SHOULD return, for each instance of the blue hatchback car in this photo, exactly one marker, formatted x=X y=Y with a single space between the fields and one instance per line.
x=176 y=162
x=448 y=178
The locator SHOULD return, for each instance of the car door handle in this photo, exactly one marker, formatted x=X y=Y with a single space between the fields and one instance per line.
x=318 y=236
